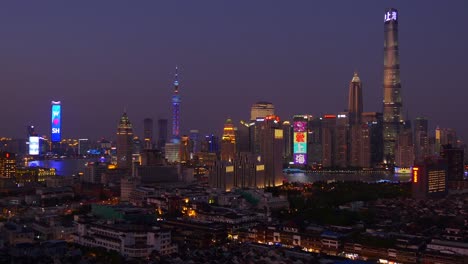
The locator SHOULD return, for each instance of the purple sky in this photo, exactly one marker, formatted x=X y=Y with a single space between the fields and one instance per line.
x=99 y=57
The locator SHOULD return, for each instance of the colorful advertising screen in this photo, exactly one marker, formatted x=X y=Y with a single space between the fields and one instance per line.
x=300 y=126
x=33 y=145
x=300 y=142
x=56 y=122
x=300 y=159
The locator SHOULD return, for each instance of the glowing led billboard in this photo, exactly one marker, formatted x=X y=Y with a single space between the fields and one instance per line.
x=415 y=174
x=56 y=124
x=300 y=158
x=300 y=140
x=33 y=145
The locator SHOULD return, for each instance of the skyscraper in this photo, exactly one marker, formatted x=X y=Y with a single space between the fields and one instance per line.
x=124 y=142
x=148 y=133
x=357 y=133
x=404 y=153
x=392 y=103
x=228 y=141
x=287 y=133
x=7 y=165
x=455 y=162
x=421 y=138
x=162 y=133
x=355 y=100
x=271 y=142
x=261 y=110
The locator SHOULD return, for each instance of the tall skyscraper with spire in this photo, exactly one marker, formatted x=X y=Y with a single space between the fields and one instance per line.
x=228 y=141
x=392 y=103
x=176 y=100
x=124 y=142
x=355 y=100
x=356 y=128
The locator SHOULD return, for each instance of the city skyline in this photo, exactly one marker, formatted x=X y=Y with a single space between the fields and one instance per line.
x=258 y=75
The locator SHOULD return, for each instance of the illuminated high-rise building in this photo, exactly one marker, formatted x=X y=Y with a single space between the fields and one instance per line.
x=355 y=107
x=392 y=103
x=429 y=179
x=342 y=141
x=404 y=153
x=357 y=133
x=271 y=143
x=261 y=110
x=228 y=141
x=184 y=155
x=124 y=142
x=7 y=164
x=148 y=133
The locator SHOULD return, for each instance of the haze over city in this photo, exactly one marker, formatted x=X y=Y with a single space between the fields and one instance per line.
x=104 y=57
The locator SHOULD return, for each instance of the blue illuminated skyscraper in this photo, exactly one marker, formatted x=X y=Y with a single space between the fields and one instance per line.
x=176 y=100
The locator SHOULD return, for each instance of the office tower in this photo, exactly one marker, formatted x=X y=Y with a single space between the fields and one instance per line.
x=83 y=146
x=404 y=155
x=124 y=142
x=243 y=137
x=342 y=141
x=93 y=172
x=7 y=165
x=373 y=123
x=221 y=175
x=392 y=103
x=137 y=146
x=195 y=141
x=356 y=132
x=261 y=110
x=249 y=172
x=270 y=138
x=355 y=107
x=429 y=179
x=148 y=133
x=245 y=171
x=300 y=134
x=314 y=146
x=162 y=133
x=328 y=142
x=421 y=138
x=184 y=149
x=455 y=162
x=288 y=139
x=172 y=152
x=176 y=100
x=228 y=141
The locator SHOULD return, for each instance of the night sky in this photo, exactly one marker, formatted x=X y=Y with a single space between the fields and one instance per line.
x=101 y=57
